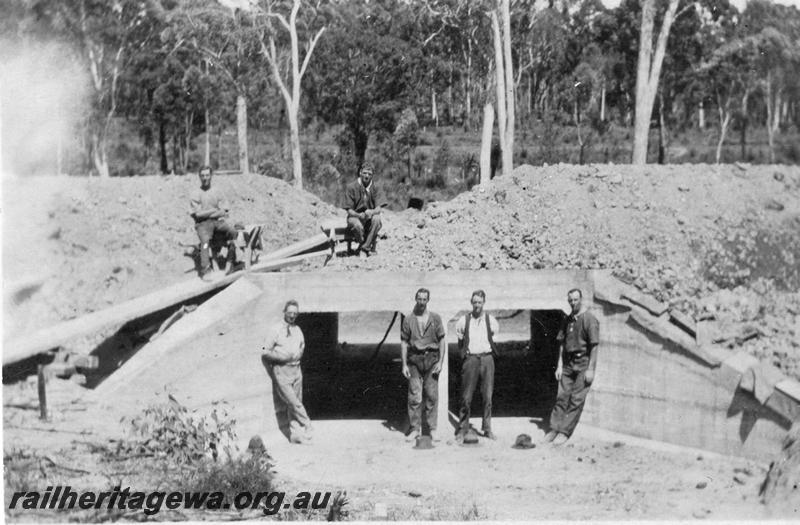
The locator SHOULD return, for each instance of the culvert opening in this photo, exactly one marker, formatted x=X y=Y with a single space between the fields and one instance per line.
x=524 y=379
x=347 y=372
x=350 y=374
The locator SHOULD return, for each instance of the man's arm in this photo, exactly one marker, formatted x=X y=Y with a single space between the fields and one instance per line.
x=351 y=202
x=592 y=342
x=560 y=365
x=376 y=201
x=560 y=337
x=213 y=212
x=460 y=327
x=442 y=346
x=405 y=336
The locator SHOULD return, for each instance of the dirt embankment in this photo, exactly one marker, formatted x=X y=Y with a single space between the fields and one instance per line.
x=719 y=242
x=101 y=242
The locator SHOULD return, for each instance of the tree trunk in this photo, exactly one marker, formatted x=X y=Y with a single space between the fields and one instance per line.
x=207 y=145
x=241 y=133
x=508 y=151
x=499 y=86
x=662 y=131
x=701 y=115
x=59 y=154
x=773 y=115
x=162 y=146
x=486 y=143
x=723 y=129
x=648 y=71
x=360 y=142
x=294 y=140
x=603 y=103
x=99 y=158
x=434 y=109
x=743 y=127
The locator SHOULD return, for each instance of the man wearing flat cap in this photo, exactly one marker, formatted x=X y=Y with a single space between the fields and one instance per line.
x=363 y=211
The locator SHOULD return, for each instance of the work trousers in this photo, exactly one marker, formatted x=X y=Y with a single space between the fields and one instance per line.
x=476 y=367
x=572 y=390
x=357 y=228
x=423 y=390
x=205 y=231
x=287 y=395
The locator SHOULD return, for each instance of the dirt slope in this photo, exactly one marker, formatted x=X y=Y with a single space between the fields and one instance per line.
x=100 y=242
x=722 y=243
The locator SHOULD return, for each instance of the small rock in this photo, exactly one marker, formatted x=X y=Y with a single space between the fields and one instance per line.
x=778 y=176
x=774 y=204
x=701 y=485
x=738 y=478
x=615 y=179
x=415 y=494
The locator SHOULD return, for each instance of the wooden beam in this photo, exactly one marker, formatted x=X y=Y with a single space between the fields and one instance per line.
x=298 y=247
x=23 y=347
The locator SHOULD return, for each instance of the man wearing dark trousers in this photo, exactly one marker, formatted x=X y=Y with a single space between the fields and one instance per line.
x=363 y=211
x=423 y=347
x=208 y=208
x=476 y=332
x=577 y=359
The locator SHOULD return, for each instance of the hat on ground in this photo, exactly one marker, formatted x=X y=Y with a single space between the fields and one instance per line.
x=424 y=442
x=471 y=437
x=523 y=441
x=256 y=444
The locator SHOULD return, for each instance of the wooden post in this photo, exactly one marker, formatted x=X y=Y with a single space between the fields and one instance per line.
x=444 y=382
x=486 y=144
x=42 y=383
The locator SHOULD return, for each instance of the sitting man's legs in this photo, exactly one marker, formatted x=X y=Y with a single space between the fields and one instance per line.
x=373 y=227
x=205 y=231
x=356 y=228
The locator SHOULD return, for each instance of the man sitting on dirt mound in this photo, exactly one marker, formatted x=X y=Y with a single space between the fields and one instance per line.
x=363 y=211
x=208 y=209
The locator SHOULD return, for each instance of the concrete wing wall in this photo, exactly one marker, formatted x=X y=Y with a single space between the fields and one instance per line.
x=649 y=386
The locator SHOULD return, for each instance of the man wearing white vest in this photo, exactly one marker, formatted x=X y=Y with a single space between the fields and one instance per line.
x=476 y=332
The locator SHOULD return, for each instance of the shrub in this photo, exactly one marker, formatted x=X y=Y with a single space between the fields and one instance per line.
x=169 y=430
x=251 y=473
x=275 y=168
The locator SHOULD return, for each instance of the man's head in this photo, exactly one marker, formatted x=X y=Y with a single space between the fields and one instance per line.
x=365 y=173
x=205 y=177
x=574 y=297
x=290 y=311
x=478 y=300
x=421 y=300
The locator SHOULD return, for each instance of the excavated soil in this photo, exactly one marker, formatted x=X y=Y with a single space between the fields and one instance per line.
x=721 y=243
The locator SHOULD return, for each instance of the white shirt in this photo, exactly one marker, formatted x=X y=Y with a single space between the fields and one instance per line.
x=478 y=335
x=284 y=344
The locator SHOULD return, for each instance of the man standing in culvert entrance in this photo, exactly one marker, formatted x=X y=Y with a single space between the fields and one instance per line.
x=281 y=356
x=476 y=332
x=577 y=359
x=423 y=347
